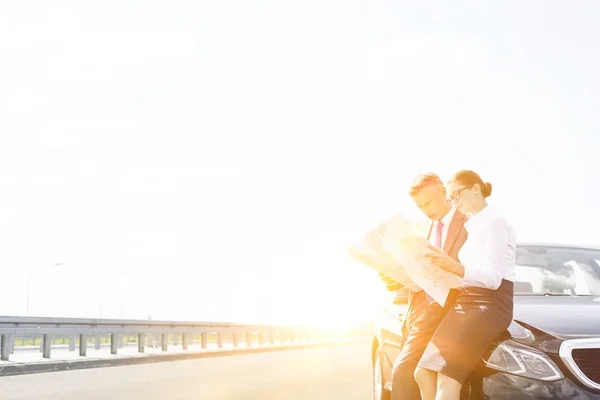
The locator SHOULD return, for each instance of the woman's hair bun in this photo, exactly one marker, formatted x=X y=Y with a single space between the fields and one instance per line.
x=487 y=189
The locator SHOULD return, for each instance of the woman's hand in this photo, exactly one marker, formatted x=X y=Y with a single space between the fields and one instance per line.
x=444 y=261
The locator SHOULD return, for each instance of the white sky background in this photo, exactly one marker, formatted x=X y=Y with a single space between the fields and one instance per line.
x=218 y=157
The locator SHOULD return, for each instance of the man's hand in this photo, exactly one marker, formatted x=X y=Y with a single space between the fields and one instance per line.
x=391 y=284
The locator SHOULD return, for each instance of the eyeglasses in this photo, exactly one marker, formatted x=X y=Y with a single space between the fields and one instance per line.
x=456 y=194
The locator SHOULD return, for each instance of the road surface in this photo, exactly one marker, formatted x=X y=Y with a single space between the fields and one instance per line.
x=336 y=372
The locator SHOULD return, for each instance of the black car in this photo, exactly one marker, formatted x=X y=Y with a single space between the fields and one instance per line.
x=551 y=349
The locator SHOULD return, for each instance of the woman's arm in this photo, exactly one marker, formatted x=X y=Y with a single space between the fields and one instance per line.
x=497 y=257
x=492 y=263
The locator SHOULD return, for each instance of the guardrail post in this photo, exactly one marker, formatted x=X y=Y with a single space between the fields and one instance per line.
x=82 y=345
x=141 y=342
x=235 y=339
x=120 y=341
x=185 y=340
x=114 y=343
x=248 y=339
x=261 y=338
x=72 y=343
x=176 y=339
x=165 y=341
x=97 y=342
x=204 y=339
x=47 y=343
x=41 y=344
x=12 y=344
x=220 y=339
x=272 y=337
x=5 y=347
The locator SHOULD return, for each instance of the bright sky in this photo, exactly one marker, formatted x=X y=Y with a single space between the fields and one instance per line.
x=212 y=160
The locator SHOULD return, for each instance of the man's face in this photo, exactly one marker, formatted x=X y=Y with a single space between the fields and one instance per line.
x=432 y=201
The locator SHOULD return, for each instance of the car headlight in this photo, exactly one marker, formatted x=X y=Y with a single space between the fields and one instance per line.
x=517 y=359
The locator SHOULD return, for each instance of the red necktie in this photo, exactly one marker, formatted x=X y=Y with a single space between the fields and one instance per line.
x=437 y=242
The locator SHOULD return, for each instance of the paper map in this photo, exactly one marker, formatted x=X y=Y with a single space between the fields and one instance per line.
x=394 y=249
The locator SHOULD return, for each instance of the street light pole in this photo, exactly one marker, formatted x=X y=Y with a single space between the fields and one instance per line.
x=28 y=291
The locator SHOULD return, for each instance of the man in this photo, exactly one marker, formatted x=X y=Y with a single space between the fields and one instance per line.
x=446 y=232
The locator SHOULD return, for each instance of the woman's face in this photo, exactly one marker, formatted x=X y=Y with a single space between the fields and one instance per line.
x=464 y=197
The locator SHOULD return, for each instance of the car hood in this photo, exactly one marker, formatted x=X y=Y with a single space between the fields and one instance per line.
x=559 y=316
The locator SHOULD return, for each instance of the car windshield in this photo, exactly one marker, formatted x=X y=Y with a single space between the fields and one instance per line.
x=557 y=271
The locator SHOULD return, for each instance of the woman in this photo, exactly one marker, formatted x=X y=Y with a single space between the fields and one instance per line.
x=484 y=306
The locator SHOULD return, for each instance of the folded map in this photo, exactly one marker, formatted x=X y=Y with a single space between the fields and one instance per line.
x=394 y=249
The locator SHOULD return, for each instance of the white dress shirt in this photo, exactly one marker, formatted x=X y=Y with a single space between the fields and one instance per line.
x=446 y=220
x=488 y=255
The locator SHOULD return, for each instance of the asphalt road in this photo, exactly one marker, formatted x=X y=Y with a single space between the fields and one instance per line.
x=336 y=372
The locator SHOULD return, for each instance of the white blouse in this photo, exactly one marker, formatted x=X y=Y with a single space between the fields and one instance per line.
x=488 y=255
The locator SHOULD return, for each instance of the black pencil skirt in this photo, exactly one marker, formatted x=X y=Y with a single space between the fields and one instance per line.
x=464 y=336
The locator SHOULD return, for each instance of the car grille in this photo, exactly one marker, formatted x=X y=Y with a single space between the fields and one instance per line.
x=582 y=357
x=588 y=361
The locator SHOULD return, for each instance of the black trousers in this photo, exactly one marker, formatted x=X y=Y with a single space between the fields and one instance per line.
x=422 y=320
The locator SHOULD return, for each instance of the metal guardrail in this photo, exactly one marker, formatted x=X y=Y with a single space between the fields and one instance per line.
x=83 y=332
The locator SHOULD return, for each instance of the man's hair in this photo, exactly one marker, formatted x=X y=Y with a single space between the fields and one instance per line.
x=422 y=181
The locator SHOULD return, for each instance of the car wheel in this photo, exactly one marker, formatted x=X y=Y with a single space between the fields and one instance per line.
x=379 y=390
